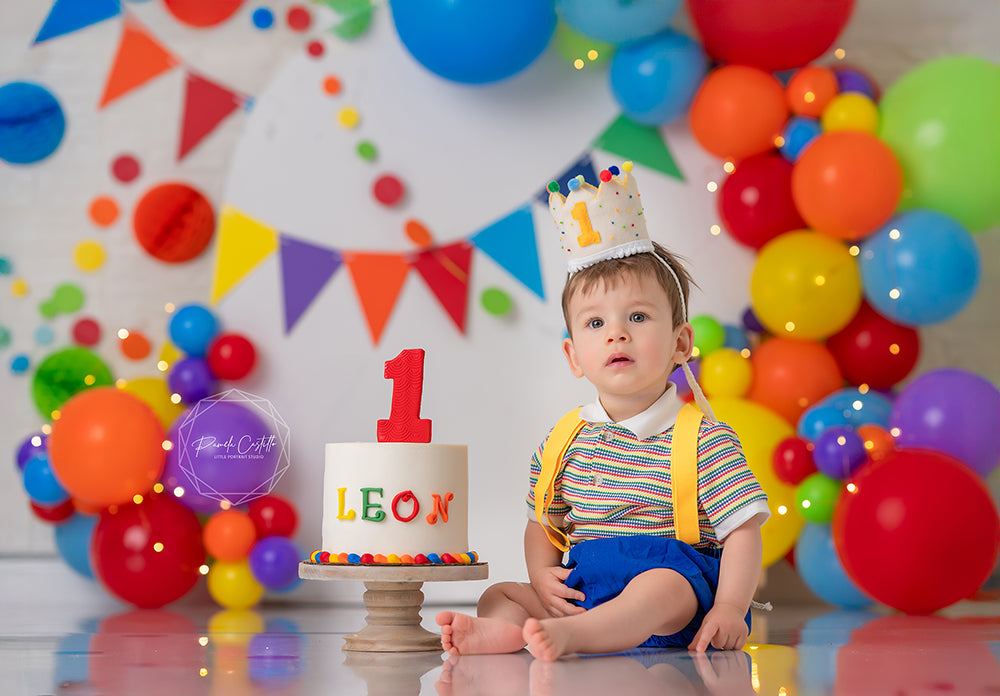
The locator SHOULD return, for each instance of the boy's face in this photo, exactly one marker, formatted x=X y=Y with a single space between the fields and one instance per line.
x=623 y=340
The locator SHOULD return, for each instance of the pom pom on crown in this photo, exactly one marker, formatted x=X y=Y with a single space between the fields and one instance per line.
x=602 y=222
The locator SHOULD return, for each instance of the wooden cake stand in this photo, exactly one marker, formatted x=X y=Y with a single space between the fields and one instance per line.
x=393 y=600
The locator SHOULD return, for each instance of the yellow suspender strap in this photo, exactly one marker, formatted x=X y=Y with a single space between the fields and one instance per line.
x=684 y=474
x=553 y=453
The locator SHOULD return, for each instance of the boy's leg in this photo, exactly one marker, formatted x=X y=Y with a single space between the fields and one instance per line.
x=502 y=611
x=657 y=602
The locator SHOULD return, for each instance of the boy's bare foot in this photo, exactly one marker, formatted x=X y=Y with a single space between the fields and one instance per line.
x=546 y=640
x=468 y=635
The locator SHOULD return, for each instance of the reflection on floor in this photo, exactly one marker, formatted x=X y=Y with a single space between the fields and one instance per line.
x=291 y=650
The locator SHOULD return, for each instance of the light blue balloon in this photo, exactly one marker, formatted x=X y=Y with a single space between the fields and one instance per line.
x=798 y=133
x=870 y=408
x=472 y=41
x=615 y=21
x=817 y=418
x=819 y=567
x=736 y=337
x=73 y=542
x=40 y=482
x=655 y=80
x=192 y=329
x=921 y=268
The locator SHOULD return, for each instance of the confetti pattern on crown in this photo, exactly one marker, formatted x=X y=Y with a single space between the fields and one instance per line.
x=602 y=222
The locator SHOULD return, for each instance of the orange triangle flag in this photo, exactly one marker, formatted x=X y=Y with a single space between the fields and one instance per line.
x=140 y=58
x=378 y=279
x=446 y=272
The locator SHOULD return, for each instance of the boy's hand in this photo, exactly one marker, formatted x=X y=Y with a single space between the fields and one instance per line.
x=551 y=590
x=724 y=628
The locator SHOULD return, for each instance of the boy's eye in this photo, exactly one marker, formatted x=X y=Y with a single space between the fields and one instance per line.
x=595 y=323
x=638 y=317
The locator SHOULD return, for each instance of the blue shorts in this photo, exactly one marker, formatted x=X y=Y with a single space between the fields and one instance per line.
x=601 y=568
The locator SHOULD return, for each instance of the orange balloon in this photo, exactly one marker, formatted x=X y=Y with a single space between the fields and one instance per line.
x=106 y=447
x=738 y=111
x=229 y=535
x=810 y=90
x=877 y=440
x=846 y=184
x=789 y=375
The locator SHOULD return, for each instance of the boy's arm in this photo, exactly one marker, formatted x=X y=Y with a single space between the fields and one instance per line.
x=546 y=574
x=739 y=572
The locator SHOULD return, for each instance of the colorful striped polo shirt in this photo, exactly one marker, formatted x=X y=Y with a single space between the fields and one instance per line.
x=616 y=478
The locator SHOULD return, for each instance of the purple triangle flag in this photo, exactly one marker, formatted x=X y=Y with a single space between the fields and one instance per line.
x=305 y=270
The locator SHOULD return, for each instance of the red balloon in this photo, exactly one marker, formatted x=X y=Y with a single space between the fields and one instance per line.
x=273 y=515
x=53 y=513
x=769 y=34
x=919 y=532
x=755 y=201
x=231 y=356
x=148 y=554
x=793 y=460
x=873 y=350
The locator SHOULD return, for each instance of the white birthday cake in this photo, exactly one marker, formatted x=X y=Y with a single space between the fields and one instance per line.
x=400 y=502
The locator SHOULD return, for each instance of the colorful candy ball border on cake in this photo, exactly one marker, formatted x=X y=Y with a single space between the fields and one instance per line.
x=327 y=558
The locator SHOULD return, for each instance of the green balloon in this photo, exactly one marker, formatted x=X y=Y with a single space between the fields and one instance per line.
x=941 y=120
x=816 y=497
x=709 y=334
x=65 y=373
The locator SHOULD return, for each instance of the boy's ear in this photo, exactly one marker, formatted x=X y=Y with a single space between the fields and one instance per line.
x=570 y=352
x=684 y=345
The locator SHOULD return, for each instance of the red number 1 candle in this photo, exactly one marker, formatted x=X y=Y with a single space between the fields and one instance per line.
x=406 y=371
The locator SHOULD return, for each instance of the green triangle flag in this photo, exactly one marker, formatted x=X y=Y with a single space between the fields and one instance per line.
x=642 y=144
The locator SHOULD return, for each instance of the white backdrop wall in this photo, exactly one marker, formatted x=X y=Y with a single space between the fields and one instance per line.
x=468 y=155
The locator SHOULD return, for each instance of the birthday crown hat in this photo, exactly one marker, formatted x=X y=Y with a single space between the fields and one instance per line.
x=604 y=222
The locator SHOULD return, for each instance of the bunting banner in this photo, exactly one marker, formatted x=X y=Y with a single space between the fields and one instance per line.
x=67 y=16
x=206 y=104
x=378 y=277
x=139 y=59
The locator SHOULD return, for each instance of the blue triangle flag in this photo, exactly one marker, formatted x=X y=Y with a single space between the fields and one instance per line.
x=510 y=242
x=305 y=270
x=67 y=16
x=584 y=165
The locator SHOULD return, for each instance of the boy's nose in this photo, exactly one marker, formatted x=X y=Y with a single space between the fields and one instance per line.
x=616 y=334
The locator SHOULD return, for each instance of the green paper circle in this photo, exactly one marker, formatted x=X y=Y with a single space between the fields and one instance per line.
x=496 y=301
x=366 y=150
x=63 y=374
x=68 y=298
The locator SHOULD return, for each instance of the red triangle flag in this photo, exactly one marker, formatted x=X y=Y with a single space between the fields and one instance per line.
x=377 y=279
x=446 y=272
x=140 y=58
x=206 y=104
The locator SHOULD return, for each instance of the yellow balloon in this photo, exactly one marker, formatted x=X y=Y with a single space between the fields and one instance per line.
x=760 y=430
x=234 y=626
x=850 y=111
x=775 y=668
x=155 y=393
x=724 y=372
x=805 y=285
x=232 y=585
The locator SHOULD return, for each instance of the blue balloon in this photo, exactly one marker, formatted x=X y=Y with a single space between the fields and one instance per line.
x=820 y=568
x=192 y=329
x=820 y=639
x=816 y=419
x=870 y=408
x=921 y=268
x=32 y=123
x=615 y=21
x=40 y=482
x=736 y=337
x=73 y=542
x=655 y=80
x=799 y=132
x=472 y=41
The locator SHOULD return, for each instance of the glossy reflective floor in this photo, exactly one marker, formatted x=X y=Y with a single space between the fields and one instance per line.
x=296 y=649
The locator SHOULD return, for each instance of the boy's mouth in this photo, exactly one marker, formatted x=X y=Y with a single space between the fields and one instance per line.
x=618 y=359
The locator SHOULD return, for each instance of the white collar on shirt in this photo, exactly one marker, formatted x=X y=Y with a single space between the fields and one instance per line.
x=662 y=414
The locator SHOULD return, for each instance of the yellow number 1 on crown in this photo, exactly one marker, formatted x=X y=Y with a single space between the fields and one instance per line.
x=587 y=234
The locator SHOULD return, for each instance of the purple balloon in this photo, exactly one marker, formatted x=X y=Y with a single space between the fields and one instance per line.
x=839 y=451
x=952 y=411
x=274 y=562
x=192 y=379
x=680 y=380
x=29 y=449
x=176 y=481
x=228 y=451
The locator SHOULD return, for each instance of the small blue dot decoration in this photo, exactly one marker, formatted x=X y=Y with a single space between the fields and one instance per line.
x=263 y=18
x=615 y=171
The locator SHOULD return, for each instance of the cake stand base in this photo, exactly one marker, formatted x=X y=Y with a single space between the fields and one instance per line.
x=393 y=600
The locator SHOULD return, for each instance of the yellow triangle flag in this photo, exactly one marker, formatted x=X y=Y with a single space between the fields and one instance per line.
x=242 y=244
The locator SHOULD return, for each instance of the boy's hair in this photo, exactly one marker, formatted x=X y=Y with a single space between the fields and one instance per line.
x=611 y=271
